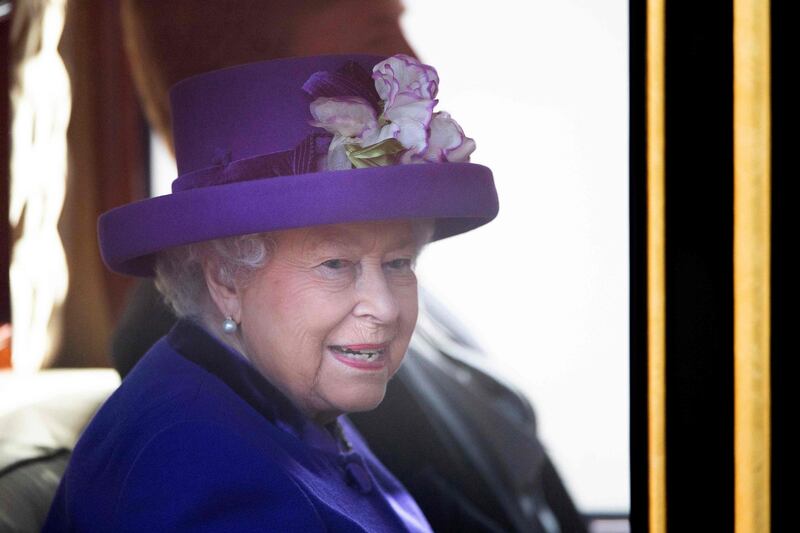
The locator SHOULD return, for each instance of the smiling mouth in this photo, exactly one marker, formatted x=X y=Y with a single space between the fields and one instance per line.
x=359 y=355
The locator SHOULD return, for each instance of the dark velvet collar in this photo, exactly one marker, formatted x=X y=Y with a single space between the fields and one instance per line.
x=199 y=346
x=196 y=344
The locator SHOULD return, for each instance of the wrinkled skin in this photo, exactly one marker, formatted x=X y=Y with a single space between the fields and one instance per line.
x=324 y=286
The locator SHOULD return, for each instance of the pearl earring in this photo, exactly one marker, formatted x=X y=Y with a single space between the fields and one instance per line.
x=229 y=325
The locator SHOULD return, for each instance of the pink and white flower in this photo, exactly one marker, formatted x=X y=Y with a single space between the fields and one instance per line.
x=447 y=141
x=403 y=75
x=407 y=89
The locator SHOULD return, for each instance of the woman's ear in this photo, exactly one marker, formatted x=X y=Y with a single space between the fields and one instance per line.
x=226 y=297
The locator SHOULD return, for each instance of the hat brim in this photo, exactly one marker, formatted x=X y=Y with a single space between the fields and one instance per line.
x=460 y=196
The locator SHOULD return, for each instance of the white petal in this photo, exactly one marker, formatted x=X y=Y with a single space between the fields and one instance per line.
x=412 y=134
x=376 y=135
x=445 y=132
x=411 y=158
x=462 y=153
x=420 y=111
x=386 y=86
x=337 y=155
x=348 y=117
x=447 y=140
x=411 y=75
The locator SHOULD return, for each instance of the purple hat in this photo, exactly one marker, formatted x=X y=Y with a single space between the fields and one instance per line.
x=303 y=142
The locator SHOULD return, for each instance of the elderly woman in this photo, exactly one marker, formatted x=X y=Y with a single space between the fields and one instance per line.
x=307 y=188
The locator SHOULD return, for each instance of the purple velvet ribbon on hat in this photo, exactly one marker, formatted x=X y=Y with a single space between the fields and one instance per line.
x=350 y=80
x=303 y=159
x=307 y=157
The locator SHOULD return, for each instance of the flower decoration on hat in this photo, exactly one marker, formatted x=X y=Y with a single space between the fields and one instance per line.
x=385 y=118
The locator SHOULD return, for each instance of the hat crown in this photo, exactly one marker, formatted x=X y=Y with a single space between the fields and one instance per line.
x=248 y=110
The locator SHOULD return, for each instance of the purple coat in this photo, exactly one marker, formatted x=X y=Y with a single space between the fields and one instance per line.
x=195 y=439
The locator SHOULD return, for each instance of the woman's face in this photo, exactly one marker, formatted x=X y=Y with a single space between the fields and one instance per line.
x=329 y=318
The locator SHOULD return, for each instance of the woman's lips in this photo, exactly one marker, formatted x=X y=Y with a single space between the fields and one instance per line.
x=378 y=361
x=365 y=346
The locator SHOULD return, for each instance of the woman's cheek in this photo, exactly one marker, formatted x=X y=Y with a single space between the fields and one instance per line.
x=409 y=297
x=291 y=291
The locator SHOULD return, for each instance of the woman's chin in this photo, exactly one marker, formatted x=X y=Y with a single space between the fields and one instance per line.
x=357 y=398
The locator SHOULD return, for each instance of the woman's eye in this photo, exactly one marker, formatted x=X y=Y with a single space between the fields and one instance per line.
x=335 y=264
x=400 y=264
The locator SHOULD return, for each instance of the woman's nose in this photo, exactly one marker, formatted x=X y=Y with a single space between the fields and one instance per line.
x=375 y=296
